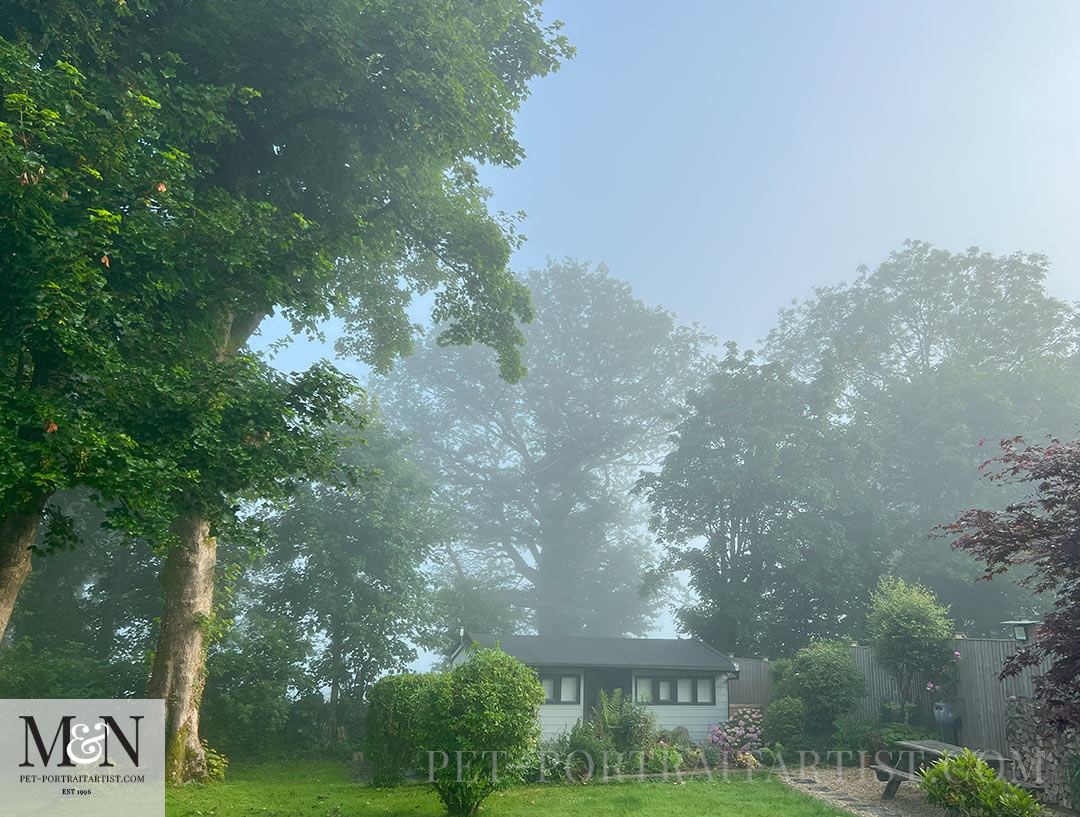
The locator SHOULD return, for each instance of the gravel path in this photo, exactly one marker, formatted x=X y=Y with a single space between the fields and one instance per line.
x=858 y=791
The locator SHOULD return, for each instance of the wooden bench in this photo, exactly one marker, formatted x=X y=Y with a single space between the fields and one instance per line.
x=893 y=773
x=894 y=776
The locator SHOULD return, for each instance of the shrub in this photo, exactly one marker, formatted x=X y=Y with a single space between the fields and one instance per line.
x=784 y=721
x=216 y=764
x=629 y=726
x=824 y=676
x=854 y=736
x=394 y=736
x=968 y=786
x=581 y=751
x=910 y=634
x=740 y=734
x=488 y=704
x=661 y=758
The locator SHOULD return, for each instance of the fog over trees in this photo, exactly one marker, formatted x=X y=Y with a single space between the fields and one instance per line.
x=496 y=449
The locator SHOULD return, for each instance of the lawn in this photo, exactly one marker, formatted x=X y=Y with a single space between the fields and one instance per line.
x=324 y=790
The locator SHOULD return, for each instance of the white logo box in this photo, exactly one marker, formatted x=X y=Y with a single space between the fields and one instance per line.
x=82 y=758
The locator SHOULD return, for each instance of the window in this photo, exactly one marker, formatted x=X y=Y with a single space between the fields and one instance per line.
x=698 y=689
x=561 y=689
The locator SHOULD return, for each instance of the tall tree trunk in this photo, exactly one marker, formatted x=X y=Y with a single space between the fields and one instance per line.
x=335 y=685
x=180 y=661
x=17 y=532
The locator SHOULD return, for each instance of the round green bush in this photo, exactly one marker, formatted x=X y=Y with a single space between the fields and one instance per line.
x=490 y=703
x=824 y=676
x=784 y=722
x=392 y=741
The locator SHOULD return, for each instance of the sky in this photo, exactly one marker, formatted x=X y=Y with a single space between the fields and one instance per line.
x=725 y=158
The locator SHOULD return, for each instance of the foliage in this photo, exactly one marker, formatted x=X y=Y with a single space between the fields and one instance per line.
x=854 y=736
x=1038 y=534
x=741 y=734
x=662 y=759
x=824 y=676
x=489 y=703
x=540 y=472
x=910 y=634
x=464 y=595
x=582 y=751
x=345 y=562
x=216 y=764
x=784 y=721
x=248 y=700
x=628 y=724
x=66 y=670
x=968 y=786
x=753 y=502
x=892 y=733
x=394 y=735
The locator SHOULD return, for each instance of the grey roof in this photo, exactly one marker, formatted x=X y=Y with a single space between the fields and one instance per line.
x=594 y=651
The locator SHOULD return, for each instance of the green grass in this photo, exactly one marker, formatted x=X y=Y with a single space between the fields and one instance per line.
x=324 y=790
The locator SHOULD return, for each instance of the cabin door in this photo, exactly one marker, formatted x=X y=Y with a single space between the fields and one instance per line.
x=607 y=680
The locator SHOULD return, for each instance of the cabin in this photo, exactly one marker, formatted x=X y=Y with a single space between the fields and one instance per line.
x=682 y=681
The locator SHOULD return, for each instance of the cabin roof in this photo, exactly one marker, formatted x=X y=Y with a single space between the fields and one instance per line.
x=596 y=651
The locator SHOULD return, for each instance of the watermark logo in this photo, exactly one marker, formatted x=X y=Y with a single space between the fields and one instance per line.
x=91 y=758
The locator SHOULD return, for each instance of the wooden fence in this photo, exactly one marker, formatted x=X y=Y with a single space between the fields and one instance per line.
x=980 y=698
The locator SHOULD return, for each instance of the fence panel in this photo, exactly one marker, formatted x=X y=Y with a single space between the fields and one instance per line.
x=981 y=697
x=753 y=687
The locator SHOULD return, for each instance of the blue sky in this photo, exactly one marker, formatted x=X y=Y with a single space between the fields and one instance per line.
x=726 y=157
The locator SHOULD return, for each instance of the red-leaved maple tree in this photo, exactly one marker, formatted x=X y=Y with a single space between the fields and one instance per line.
x=1041 y=532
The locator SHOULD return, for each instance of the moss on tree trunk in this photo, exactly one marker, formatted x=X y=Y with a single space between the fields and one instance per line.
x=180 y=661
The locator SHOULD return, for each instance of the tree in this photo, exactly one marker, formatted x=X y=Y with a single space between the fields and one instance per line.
x=346 y=562
x=239 y=159
x=1038 y=534
x=753 y=502
x=933 y=352
x=541 y=471
x=910 y=634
